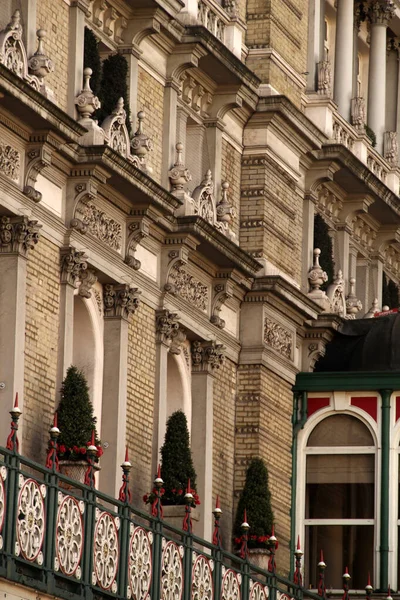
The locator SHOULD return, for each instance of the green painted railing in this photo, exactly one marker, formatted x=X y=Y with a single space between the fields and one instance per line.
x=68 y=539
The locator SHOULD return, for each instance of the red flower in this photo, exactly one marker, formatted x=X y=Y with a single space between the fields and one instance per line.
x=82 y=450
x=62 y=448
x=173 y=491
x=180 y=492
x=145 y=498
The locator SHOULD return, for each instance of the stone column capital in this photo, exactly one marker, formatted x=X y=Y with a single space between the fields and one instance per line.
x=207 y=357
x=18 y=235
x=120 y=301
x=166 y=324
x=73 y=264
x=381 y=11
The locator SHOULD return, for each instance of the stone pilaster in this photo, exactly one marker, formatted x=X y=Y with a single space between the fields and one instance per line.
x=207 y=357
x=120 y=301
x=18 y=236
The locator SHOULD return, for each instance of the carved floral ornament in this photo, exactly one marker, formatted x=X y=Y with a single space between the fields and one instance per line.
x=13 y=56
x=90 y=219
x=183 y=284
x=10 y=161
x=278 y=337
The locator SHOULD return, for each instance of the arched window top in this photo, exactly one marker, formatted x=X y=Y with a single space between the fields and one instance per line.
x=340 y=430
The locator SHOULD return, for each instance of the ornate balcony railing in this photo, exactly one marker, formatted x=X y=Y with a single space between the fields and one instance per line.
x=213 y=17
x=69 y=540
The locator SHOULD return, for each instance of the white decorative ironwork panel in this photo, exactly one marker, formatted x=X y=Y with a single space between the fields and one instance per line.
x=69 y=536
x=231 y=583
x=140 y=563
x=202 y=580
x=105 y=551
x=3 y=477
x=31 y=520
x=171 y=571
x=258 y=591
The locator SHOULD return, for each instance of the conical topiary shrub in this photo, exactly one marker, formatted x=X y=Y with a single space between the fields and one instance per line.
x=91 y=59
x=256 y=499
x=113 y=87
x=176 y=461
x=75 y=418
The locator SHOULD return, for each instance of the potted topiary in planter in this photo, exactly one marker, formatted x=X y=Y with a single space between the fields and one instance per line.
x=256 y=500
x=76 y=423
x=176 y=470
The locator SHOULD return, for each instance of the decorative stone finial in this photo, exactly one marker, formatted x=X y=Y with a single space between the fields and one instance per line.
x=86 y=102
x=316 y=275
x=374 y=309
x=15 y=23
x=358 y=113
x=179 y=175
x=391 y=147
x=140 y=143
x=39 y=64
x=353 y=305
x=225 y=211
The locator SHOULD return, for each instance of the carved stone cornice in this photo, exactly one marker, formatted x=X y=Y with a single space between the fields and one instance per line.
x=207 y=356
x=120 y=301
x=18 y=235
x=166 y=324
x=73 y=264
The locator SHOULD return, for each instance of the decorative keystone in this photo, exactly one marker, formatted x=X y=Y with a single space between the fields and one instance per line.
x=179 y=175
x=86 y=102
x=120 y=301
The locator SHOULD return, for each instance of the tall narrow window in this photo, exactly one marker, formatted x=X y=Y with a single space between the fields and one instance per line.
x=340 y=500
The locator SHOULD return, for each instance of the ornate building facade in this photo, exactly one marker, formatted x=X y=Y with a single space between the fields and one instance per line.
x=167 y=250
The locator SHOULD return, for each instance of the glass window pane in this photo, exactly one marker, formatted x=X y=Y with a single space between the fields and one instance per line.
x=340 y=486
x=340 y=430
x=343 y=546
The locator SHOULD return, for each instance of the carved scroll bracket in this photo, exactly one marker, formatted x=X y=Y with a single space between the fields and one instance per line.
x=138 y=229
x=223 y=291
x=37 y=158
x=177 y=257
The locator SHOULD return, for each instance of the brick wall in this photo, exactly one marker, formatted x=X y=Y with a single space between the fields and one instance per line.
x=271 y=215
x=281 y=25
x=41 y=342
x=53 y=16
x=140 y=399
x=151 y=100
x=224 y=434
x=230 y=171
x=264 y=429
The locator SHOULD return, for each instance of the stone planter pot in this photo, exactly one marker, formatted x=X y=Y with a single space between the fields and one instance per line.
x=174 y=515
x=74 y=469
x=259 y=557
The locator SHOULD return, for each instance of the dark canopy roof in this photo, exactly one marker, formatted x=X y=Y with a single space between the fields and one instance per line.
x=364 y=345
